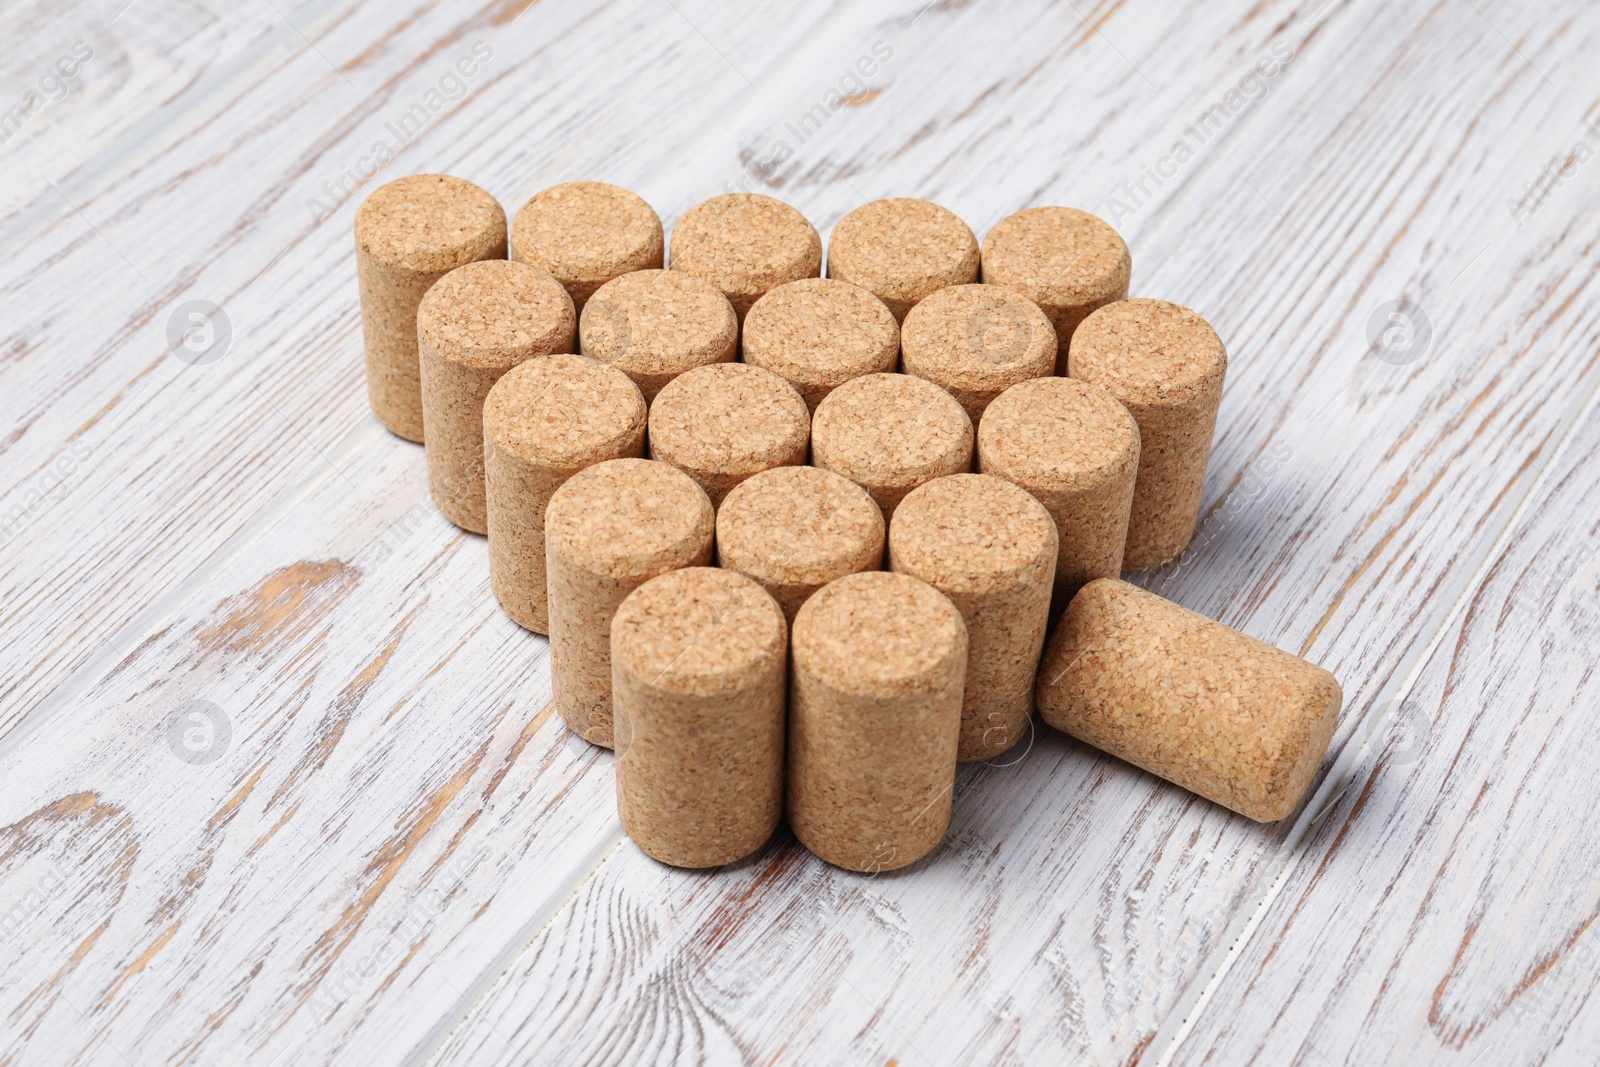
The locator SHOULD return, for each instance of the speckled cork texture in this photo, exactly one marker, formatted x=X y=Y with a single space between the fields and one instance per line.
x=609 y=529
x=655 y=324
x=1188 y=699
x=874 y=720
x=795 y=529
x=697 y=666
x=543 y=422
x=410 y=233
x=1069 y=262
x=721 y=424
x=902 y=250
x=976 y=341
x=585 y=234
x=1166 y=365
x=476 y=323
x=991 y=548
x=746 y=244
x=889 y=433
x=819 y=333
x=1076 y=449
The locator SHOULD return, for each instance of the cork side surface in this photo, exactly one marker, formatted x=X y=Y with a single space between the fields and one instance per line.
x=819 y=333
x=745 y=244
x=655 y=324
x=587 y=233
x=901 y=250
x=1069 y=262
x=722 y=423
x=976 y=341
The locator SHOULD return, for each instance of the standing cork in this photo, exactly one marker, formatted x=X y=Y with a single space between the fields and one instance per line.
x=874 y=720
x=745 y=244
x=991 y=548
x=976 y=341
x=655 y=324
x=1188 y=699
x=608 y=530
x=889 y=433
x=795 y=529
x=902 y=250
x=476 y=323
x=410 y=233
x=697 y=667
x=721 y=424
x=820 y=333
x=544 y=421
x=585 y=234
x=1166 y=365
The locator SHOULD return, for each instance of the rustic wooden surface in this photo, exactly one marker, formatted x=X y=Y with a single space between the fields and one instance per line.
x=392 y=852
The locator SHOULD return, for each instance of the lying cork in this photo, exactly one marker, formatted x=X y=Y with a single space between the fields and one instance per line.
x=795 y=529
x=544 y=421
x=655 y=324
x=697 y=668
x=721 y=424
x=476 y=323
x=608 y=530
x=976 y=341
x=746 y=244
x=889 y=433
x=1205 y=707
x=1166 y=365
x=991 y=548
x=902 y=250
x=1068 y=262
x=820 y=333
x=874 y=720
x=585 y=234
x=410 y=233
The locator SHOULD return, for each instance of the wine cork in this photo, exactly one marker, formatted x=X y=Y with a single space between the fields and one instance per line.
x=795 y=529
x=889 y=433
x=585 y=234
x=902 y=250
x=991 y=548
x=476 y=323
x=1205 y=707
x=544 y=421
x=1166 y=365
x=721 y=424
x=410 y=233
x=819 y=333
x=1068 y=262
x=655 y=324
x=1076 y=449
x=746 y=244
x=697 y=666
x=874 y=720
x=609 y=529
x=977 y=341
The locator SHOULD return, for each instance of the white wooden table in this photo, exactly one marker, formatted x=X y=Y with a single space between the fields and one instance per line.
x=376 y=844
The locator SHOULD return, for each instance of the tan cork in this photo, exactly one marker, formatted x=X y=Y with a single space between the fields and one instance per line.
x=585 y=234
x=977 y=341
x=746 y=244
x=721 y=424
x=795 y=529
x=1166 y=365
x=1069 y=262
x=476 y=323
x=698 y=662
x=609 y=529
x=410 y=233
x=820 y=333
x=991 y=548
x=889 y=433
x=544 y=421
x=874 y=720
x=902 y=250
x=655 y=324
x=1205 y=707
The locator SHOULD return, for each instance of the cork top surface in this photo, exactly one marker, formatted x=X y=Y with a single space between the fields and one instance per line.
x=745 y=243
x=890 y=429
x=728 y=417
x=587 y=232
x=1149 y=352
x=798 y=526
x=699 y=631
x=1057 y=256
x=658 y=322
x=978 y=337
x=902 y=248
x=628 y=519
x=493 y=314
x=820 y=333
x=1058 y=433
x=429 y=223
x=879 y=635
x=973 y=533
x=563 y=411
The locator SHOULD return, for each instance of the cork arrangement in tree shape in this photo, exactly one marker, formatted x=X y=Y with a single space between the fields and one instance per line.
x=723 y=423
x=654 y=325
x=976 y=341
x=820 y=333
x=902 y=250
x=585 y=234
x=746 y=244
